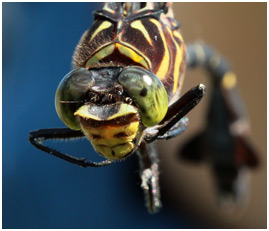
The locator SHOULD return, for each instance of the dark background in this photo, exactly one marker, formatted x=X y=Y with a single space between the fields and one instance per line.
x=41 y=191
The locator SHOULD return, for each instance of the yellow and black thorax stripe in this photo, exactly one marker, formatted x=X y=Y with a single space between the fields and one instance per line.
x=147 y=37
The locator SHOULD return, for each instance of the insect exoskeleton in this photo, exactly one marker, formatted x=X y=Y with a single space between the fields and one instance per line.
x=112 y=106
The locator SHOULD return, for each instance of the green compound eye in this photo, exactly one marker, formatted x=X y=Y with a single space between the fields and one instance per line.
x=70 y=94
x=148 y=93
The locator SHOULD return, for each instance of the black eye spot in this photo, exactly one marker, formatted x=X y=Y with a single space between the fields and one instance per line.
x=96 y=136
x=120 y=135
x=113 y=153
x=143 y=92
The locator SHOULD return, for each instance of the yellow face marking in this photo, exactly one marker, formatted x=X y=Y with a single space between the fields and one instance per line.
x=164 y=66
x=108 y=144
x=103 y=26
x=84 y=112
x=229 y=80
x=177 y=62
x=132 y=55
x=125 y=109
x=120 y=151
x=111 y=140
x=108 y=134
x=139 y=26
x=100 y=55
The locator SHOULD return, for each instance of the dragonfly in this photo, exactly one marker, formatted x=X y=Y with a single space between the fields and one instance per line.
x=124 y=93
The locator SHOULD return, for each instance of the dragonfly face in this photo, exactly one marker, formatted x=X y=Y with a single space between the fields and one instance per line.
x=112 y=106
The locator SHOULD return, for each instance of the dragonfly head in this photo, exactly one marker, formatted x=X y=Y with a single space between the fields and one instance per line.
x=112 y=106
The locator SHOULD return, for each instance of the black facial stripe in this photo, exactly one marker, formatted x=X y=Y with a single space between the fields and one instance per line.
x=120 y=121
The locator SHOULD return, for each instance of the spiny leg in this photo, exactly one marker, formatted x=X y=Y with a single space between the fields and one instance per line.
x=176 y=130
x=149 y=173
x=36 y=138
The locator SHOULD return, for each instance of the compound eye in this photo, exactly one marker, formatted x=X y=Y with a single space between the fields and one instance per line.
x=148 y=93
x=70 y=95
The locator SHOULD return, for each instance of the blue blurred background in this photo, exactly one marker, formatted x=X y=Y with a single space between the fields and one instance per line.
x=41 y=191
